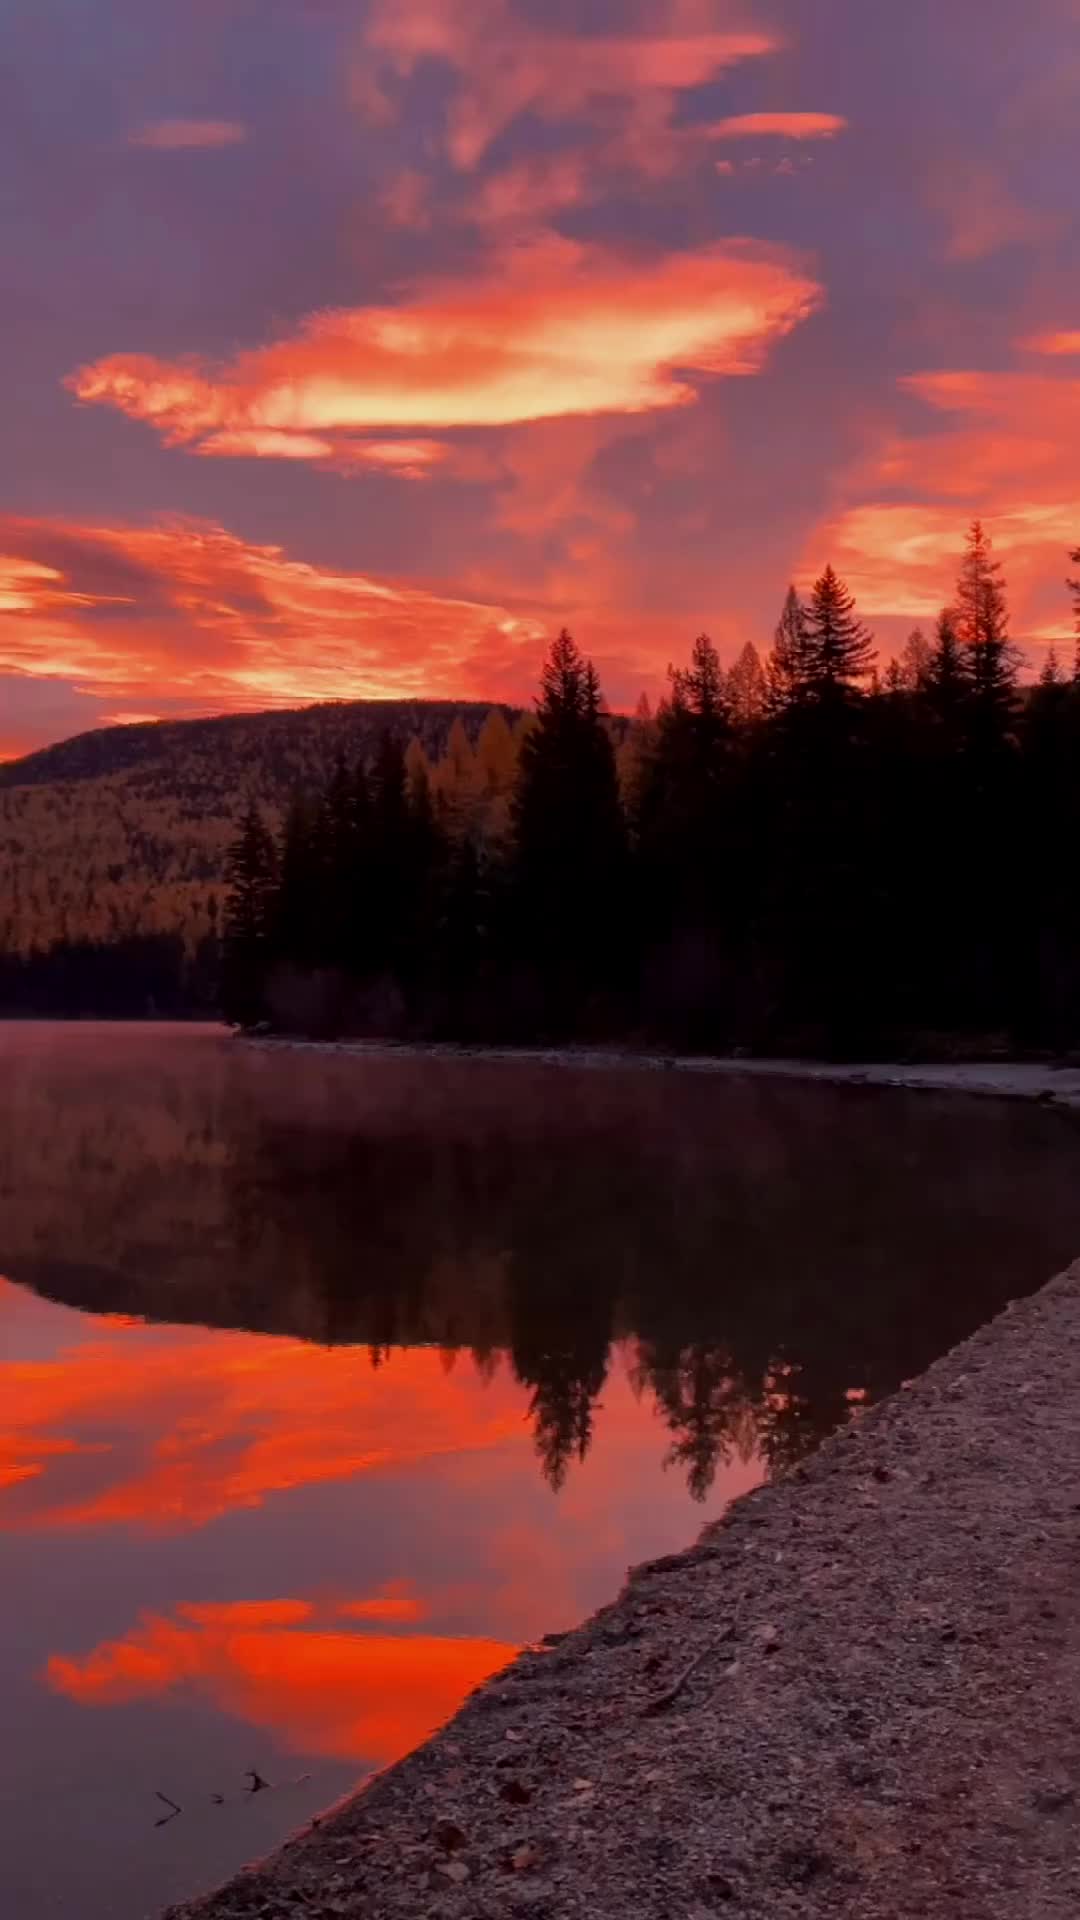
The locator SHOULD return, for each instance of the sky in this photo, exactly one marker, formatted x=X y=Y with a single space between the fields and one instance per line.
x=352 y=347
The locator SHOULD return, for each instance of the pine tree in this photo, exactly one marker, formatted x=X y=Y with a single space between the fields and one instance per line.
x=496 y=755
x=300 y=902
x=457 y=781
x=983 y=628
x=248 y=908
x=915 y=661
x=335 y=854
x=1074 y=588
x=746 y=687
x=839 y=648
x=948 y=681
x=787 y=671
x=569 y=834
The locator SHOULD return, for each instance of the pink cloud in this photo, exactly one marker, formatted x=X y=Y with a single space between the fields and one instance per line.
x=781 y=126
x=980 y=212
x=532 y=189
x=174 y=136
x=554 y=330
x=506 y=67
x=1005 y=451
x=192 y=615
x=1056 y=345
x=409 y=459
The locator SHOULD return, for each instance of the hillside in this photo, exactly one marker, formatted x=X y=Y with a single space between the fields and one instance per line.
x=123 y=831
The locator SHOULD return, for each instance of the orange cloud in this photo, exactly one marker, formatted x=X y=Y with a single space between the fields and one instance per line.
x=782 y=126
x=531 y=189
x=1004 y=451
x=173 y=136
x=215 y=623
x=349 y=1696
x=556 y=330
x=506 y=67
x=252 y=1614
x=395 y=1601
x=409 y=459
x=1062 y=344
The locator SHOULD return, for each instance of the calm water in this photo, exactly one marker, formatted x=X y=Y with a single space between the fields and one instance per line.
x=326 y=1384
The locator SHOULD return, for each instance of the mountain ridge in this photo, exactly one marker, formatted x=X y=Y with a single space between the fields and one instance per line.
x=123 y=831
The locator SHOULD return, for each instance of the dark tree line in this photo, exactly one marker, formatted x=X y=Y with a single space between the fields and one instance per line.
x=800 y=853
x=146 y=976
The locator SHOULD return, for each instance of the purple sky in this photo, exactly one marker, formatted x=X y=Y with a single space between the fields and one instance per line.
x=352 y=345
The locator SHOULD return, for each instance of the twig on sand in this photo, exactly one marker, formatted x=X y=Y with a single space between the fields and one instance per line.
x=660 y=1702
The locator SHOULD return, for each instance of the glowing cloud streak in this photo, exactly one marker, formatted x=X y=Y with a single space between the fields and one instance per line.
x=221 y=623
x=779 y=126
x=559 y=333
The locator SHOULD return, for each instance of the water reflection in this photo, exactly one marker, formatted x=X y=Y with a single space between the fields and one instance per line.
x=293 y=1668
x=758 y=1250
x=324 y=1385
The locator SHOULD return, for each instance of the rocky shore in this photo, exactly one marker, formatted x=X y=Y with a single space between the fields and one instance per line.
x=857 y=1695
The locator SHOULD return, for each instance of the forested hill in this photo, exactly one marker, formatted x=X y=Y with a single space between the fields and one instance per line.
x=277 y=751
x=123 y=831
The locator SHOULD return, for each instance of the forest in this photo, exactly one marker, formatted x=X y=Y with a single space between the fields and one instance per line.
x=806 y=852
x=120 y=836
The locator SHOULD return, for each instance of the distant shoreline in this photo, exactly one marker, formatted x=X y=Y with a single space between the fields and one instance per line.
x=1040 y=1081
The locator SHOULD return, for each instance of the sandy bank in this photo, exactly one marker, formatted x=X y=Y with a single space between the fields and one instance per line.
x=859 y=1695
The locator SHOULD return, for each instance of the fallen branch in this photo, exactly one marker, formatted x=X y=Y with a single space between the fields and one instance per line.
x=662 y=1701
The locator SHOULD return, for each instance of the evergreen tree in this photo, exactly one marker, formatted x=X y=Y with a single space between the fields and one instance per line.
x=983 y=628
x=1074 y=588
x=298 y=923
x=746 y=688
x=839 y=649
x=246 y=952
x=570 y=836
x=915 y=661
x=948 y=682
x=787 y=672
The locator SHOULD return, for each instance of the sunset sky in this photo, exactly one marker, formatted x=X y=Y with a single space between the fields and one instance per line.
x=351 y=346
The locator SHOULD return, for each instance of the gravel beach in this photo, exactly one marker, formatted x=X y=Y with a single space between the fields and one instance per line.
x=858 y=1695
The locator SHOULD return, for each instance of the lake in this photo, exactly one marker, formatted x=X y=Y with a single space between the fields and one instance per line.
x=326 y=1383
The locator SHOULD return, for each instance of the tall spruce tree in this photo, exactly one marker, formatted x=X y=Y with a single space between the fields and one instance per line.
x=982 y=620
x=300 y=905
x=787 y=671
x=947 y=687
x=249 y=873
x=746 y=688
x=570 y=839
x=839 y=648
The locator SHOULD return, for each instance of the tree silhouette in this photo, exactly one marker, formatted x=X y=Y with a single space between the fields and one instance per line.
x=570 y=837
x=250 y=875
x=983 y=631
x=807 y=857
x=788 y=672
x=839 y=649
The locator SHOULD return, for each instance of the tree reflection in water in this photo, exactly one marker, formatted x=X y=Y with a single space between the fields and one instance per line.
x=757 y=1250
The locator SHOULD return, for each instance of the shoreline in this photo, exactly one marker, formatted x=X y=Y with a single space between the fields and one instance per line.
x=858 y=1694
x=994 y=1079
